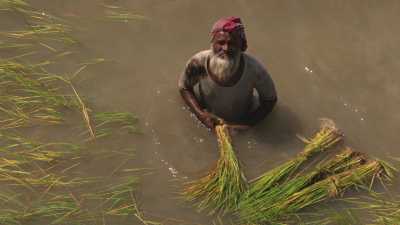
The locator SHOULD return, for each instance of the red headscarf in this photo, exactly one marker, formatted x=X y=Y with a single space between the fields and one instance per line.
x=230 y=24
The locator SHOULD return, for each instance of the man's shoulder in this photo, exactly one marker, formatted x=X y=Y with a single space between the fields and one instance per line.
x=254 y=64
x=199 y=58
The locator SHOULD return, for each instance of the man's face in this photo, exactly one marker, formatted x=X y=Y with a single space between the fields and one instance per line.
x=226 y=45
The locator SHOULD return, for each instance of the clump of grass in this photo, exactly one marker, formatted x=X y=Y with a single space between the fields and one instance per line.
x=26 y=162
x=29 y=96
x=106 y=122
x=330 y=187
x=221 y=188
x=57 y=209
x=326 y=216
x=24 y=150
x=328 y=136
x=118 y=200
x=251 y=208
x=381 y=210
x=41 y=26
x=60 y=209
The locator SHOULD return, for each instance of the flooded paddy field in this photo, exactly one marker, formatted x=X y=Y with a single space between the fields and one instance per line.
x=331 y=59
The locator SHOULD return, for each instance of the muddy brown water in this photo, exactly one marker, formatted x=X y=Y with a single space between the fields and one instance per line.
x=333 y=59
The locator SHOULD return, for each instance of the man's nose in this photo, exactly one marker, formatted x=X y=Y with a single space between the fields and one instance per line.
x=225 y=47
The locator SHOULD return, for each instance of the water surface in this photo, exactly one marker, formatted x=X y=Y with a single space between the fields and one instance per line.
x=333 y=59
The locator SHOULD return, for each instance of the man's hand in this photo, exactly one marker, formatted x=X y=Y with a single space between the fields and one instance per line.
x=210 y=120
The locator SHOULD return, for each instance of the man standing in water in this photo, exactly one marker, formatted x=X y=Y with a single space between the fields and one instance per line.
x=226 y=84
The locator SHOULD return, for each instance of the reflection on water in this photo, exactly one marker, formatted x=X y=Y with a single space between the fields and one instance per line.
x=334 y=59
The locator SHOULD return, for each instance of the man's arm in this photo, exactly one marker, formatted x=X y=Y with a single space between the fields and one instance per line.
x=267 y=98
x=189 y=78
x=261 y=112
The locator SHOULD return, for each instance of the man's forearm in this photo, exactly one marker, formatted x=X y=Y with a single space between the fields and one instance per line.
x=192 y=102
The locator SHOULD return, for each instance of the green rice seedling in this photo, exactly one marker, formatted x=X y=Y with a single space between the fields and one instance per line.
x=115 y=13
x=251 y=206
x=120 y=200
x=12 y=4
x=25 y=162
x=54 y=32
x=59 y=209
x=380 y=209
x=35 y=180
x=327 y=216
x=330 y=187
x=221 y=188
x=17 y=148
x=10 y=217
x=106 y=121
x=30 y=96
x=328 y=136
x=10 y=208
x=85 y=112
x=41 y=25
x=54 y=181
x=23 y=46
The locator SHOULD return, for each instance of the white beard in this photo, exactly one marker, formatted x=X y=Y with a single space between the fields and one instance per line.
x=224 y=67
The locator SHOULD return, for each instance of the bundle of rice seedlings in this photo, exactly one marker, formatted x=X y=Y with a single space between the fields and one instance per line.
x=325 y=138
x=221 y=188
x=251 y=207
x=330 y=187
